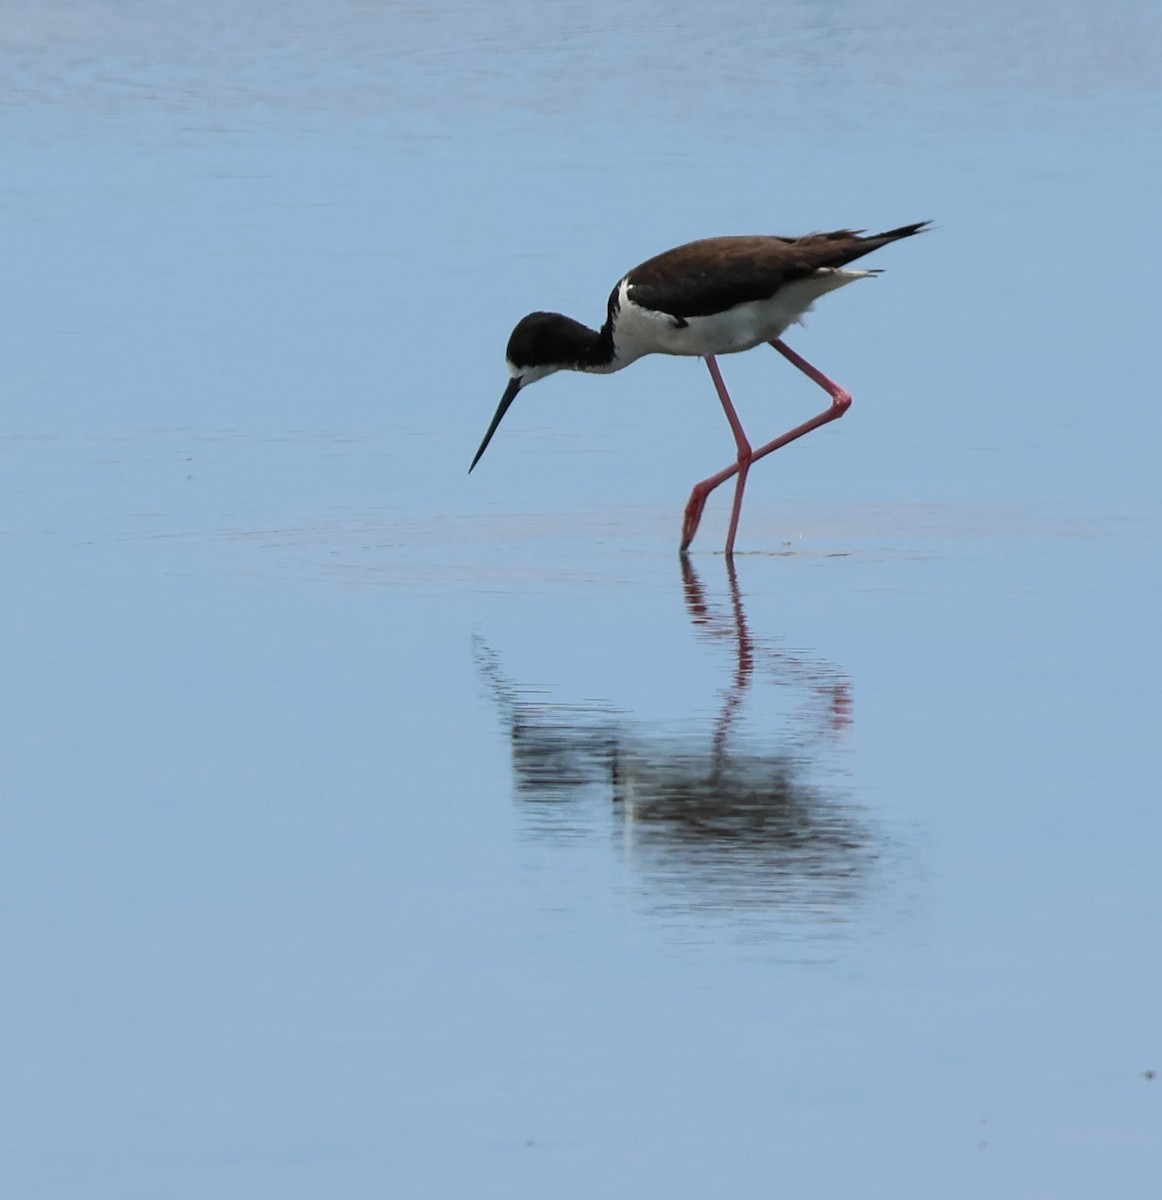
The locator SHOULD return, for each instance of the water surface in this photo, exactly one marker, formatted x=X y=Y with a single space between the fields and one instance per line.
x=373 y=830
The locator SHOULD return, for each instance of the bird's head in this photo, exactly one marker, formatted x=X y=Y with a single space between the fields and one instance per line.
x=540 y=344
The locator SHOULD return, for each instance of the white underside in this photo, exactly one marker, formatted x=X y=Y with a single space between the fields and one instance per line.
x=638 y=331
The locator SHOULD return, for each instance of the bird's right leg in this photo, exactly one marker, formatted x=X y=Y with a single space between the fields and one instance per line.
x=840 y=403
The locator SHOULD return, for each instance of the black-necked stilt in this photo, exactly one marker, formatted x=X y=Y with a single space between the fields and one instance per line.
x=717 y=296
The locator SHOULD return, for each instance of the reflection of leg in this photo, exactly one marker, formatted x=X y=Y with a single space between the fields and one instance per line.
x=741 y=632
x=743 y=662
x=717 y=626
x=694 y=592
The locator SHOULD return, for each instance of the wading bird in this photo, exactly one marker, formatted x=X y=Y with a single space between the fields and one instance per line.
x=717 y=296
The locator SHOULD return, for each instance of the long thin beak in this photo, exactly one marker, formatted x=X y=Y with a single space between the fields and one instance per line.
x=505 y=402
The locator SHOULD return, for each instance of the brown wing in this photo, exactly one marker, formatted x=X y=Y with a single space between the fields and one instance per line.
x=715 y=274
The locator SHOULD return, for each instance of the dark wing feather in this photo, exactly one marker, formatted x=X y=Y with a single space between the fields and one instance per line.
x=715 y=274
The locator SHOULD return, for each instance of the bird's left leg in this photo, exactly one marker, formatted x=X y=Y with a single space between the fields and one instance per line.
x=698 y=496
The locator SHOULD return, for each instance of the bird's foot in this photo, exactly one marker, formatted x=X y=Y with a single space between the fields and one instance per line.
x=693 y=516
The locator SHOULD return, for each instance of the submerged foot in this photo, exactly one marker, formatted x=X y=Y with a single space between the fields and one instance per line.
x=693 y=515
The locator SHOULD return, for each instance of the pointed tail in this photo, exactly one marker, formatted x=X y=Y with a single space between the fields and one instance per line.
x=904 y=231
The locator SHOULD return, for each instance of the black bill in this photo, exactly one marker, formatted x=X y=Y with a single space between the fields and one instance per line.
x=505 y=401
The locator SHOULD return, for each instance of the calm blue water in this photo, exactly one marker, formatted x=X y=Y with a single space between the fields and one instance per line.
x=372 y=830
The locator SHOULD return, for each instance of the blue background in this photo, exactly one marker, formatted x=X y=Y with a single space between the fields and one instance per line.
x=371 y=830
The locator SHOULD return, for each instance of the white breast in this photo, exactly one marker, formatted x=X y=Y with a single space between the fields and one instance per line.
x=638 y=331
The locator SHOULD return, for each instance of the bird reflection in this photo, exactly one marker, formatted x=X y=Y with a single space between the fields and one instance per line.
x=707 y=815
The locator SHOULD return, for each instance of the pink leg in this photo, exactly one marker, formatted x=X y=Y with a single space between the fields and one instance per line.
x=745 y=454
x=840 y=403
